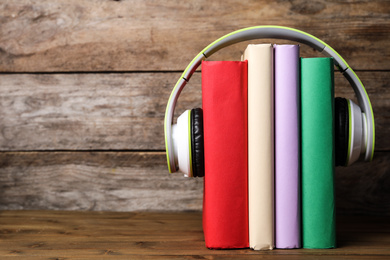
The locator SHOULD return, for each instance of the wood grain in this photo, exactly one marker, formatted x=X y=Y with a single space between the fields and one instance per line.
x=84 y=85
x=116 y=181
x=61 y=234
x=86 y=111
x=121 y=111
x=133 y=181
x=364 y=188
x=100 y=35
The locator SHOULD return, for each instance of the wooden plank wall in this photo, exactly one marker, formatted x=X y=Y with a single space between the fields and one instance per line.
x=84 y=85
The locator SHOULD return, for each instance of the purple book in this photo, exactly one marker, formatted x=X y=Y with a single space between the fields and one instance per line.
x=287 y=132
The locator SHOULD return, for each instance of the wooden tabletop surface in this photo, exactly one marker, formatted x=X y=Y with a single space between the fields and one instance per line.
x=156 y=235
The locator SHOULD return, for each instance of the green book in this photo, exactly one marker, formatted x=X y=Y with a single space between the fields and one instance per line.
x=318 y=153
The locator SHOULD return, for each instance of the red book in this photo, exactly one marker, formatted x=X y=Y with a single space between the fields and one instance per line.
x=225 y=122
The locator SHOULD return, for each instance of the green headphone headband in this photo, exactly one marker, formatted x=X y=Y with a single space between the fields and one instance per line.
x=272 y=32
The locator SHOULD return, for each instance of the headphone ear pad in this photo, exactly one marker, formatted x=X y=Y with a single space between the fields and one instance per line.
x=197 y=142
x=341 y=131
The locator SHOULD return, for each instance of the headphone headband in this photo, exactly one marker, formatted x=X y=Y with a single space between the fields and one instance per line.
x=274 y=32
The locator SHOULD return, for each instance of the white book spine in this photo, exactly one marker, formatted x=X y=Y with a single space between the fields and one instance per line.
x=260 y=145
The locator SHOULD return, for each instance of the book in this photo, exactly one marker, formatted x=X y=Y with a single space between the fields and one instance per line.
x=317 y=140
x=260 y=146
x=225 y=115
x=287 y=143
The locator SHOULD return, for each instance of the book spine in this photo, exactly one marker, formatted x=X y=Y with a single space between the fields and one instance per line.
x=260 y=146
x=318 y=204
x=287 y=143
x=225 y=205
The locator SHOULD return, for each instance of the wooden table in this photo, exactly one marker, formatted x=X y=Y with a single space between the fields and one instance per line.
x=151 y=235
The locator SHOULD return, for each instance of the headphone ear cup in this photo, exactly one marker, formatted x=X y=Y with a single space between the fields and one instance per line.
x=182 y=143
x=197 y=142
x=341 y=131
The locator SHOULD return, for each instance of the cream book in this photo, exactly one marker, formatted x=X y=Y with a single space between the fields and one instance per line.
x=260 y=146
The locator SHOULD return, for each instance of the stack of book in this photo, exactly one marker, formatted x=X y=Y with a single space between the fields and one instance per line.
x=269 y=150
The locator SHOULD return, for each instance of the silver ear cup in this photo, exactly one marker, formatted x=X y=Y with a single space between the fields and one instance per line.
x=182 y=143
x=357 y=132
x=175 y=144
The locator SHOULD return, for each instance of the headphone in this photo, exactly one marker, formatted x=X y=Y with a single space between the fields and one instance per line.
x=354 y=125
